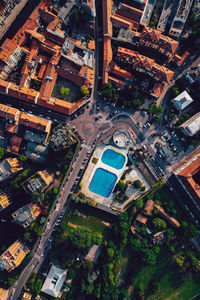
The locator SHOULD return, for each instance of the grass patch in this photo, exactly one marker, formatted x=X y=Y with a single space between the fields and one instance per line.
x=96 y=225
x=94 y=160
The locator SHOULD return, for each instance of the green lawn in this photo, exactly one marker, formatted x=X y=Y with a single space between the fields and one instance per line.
x=171 y=285
x=90 y=222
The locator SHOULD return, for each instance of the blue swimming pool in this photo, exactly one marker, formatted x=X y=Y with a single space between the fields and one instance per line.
x=113 y=159
x=102 y=182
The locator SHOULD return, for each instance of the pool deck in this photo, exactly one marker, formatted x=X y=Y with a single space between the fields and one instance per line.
x=98 y=152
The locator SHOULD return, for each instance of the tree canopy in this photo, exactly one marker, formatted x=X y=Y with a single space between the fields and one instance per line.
x=84 y=90
x=81 y=237
x=159 y=223
x=64 y=91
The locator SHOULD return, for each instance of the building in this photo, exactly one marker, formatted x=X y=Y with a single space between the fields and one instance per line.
x=9 y=167
x=61 y=139
x=4 y=200
x=148 y=207
x=187 y=172
x=180 y=18
x=157 y=90
x=25 y=215
x=36 y=128
x=4 y=294
x=93 y=253
x=141 y=219
x=107 y=32
x=191 y=126
x=13 y=256
x=130 y=14
x=38 y=182
x=182 y=101
x=26 y=296
x=144 y=64
x=54 y=281
x=167 y=217
x=37 y=45
x=153 y=38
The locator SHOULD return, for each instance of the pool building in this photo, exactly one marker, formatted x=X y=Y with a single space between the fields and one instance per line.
x=104 y=170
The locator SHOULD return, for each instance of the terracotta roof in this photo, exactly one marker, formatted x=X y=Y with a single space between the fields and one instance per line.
x=189 y=175
x=115 y=69
x=42 y=71
x=91 y=45
x=119 y=21
x=106 y=11
x=145 y=63
x=148 y=207
x=7 y=49
x=107 y=58
x=157 y=89
x=142 y=219
x=185 y=55
x=34 y=122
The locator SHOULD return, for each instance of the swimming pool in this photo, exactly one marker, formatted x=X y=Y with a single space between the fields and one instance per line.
x=113 y=159
x=102 y=182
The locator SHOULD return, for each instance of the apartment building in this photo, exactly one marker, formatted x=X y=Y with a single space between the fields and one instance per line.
x=38 y=182
x=13 y=256
x=180 y=18
x=4 y=200
x=191 y=126
x=9 y=167
x=154 y=39
x=25 y=215
x=41 y=44
x=187 y=173
x=144 y=64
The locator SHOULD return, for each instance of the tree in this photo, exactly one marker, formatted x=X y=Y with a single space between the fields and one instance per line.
x=159 y=223
x=74 y=17
x=172 y=116
x=179 y=260
x=96 y=238
x=154 y=109
x=64 y=91
x=138 y=203
x=141 y=289
x=157 y=118
x=121 y=186
x=55 y=190
x=2 y=152
x=80 y=237
x=143 y=188
x=84 y=90
x=149 y=256
x=110 y=253
x=136 y=245
x=137 y=102
x=23 y=158
x=71 y=274
x=170 y=233
x=175 y=91
x=28 y=237
x=137 y=184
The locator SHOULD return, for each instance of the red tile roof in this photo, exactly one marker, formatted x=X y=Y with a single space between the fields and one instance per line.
x=145 y=63
x=106 y=11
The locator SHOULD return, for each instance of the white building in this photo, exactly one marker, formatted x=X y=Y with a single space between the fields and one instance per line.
x=54 y=281
x=191 y=126
x=182 y=101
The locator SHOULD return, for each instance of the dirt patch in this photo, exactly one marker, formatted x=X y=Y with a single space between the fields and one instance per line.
x=77 y=213
x=106 y=224
x=72 y=225
x=173 y=296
